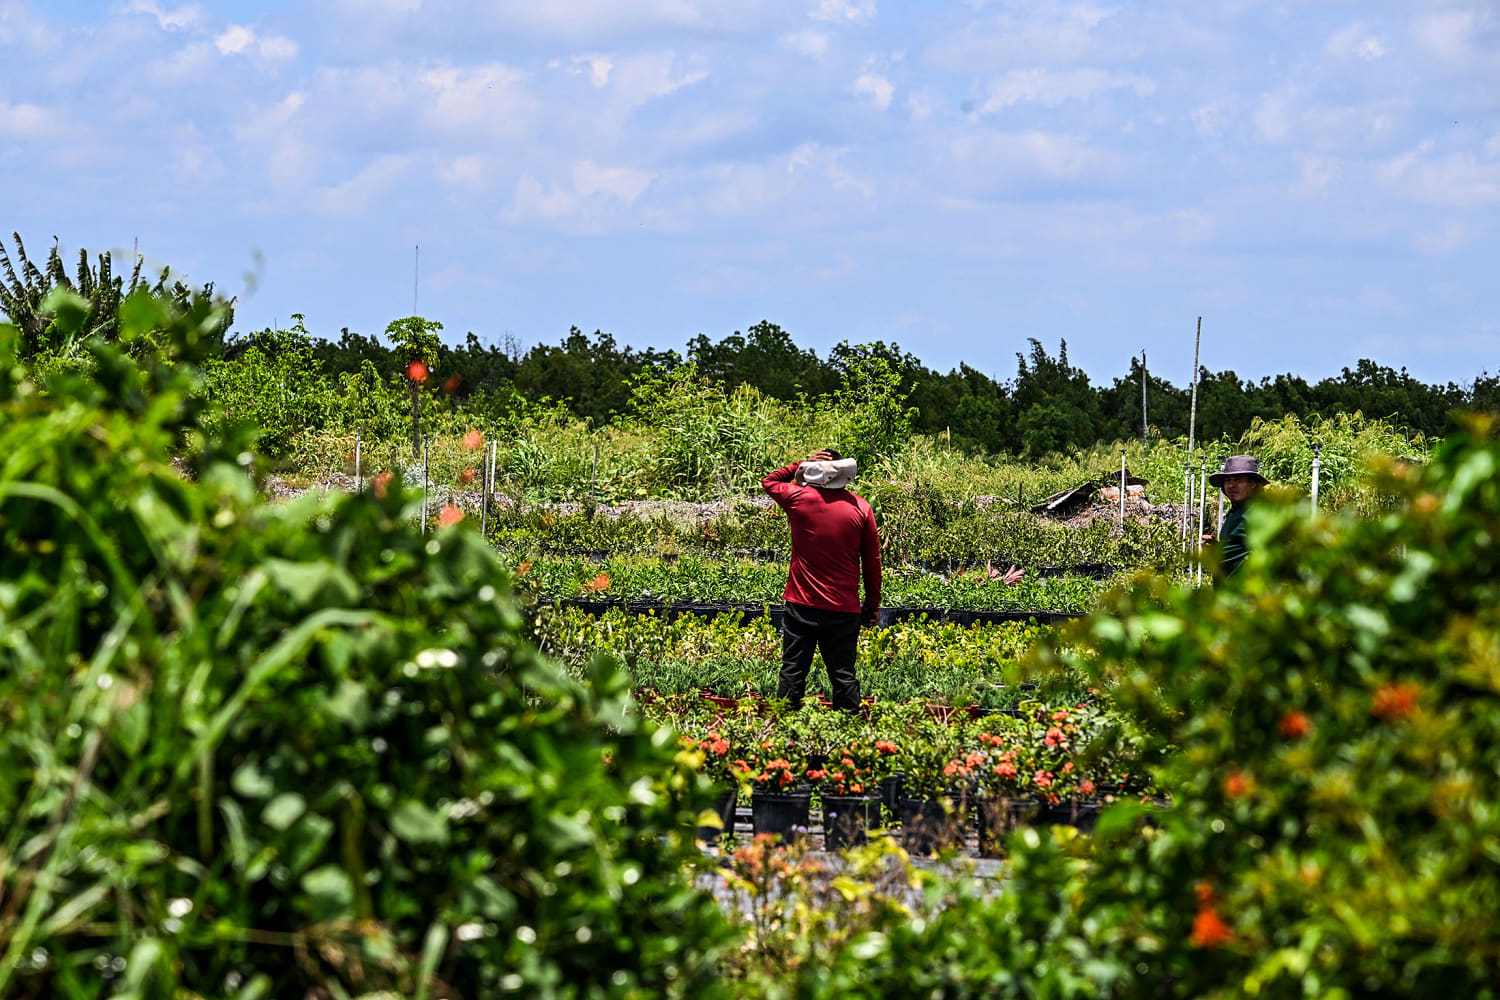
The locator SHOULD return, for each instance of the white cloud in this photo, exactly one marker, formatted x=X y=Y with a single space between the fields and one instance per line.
x=174 y=19
x=22 y=121
x=1050 y=89
x=987 y=157
x=275 y=48
x=617 y=182
x=465 y=171
x=353 y=196
x=1450 y=237
x=876 y=87
x=1289 y=116
x=641 y=78
x=1446 y=34
x=534 y=202
x=237 y=38
x=474 y=96
x=1458 y=180
x=1317 y=173
x=597 y=67
x=1210 y=119
x=851 y=11
x=1355 y=40
x=808 y=42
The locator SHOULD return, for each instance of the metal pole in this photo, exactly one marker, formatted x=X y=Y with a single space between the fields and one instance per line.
x=1122 y=489
x=1193 y=412
x=1187 y=501
x=1219 y=518
x=1145 y=424
x=1317 y=468
x=358 y=482
x=1202 y=509
x=424 y=485
x=484 y=492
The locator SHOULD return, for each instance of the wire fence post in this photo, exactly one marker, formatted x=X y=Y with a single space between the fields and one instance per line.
x=424 y=485
x=1219 y=517
x=1316 y=471
x=1187 y=501
x=484 y=492
x=1202 y=510
x=1122 y=490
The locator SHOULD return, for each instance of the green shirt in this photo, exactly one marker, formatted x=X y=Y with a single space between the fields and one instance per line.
x=1232 y=547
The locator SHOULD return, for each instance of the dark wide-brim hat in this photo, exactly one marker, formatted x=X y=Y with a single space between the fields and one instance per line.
x=1238 y=465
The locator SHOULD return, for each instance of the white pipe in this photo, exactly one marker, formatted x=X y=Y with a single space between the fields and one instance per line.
x=1316 y=470
x=1202 y=509
x=1122 y=489
x=358 y=483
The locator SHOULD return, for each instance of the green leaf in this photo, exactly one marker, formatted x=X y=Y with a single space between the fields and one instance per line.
x=330 y=890
x=284 y=810
x=250 y=782
x=306 y=582
x=414 y=823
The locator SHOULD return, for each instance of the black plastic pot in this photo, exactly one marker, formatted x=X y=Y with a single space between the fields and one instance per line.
x=847 y=819
x=931 y=826
x=726 y=805
x=786 y=814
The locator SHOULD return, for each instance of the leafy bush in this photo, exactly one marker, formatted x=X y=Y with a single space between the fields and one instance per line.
x=298 y=750
x=1333 y=717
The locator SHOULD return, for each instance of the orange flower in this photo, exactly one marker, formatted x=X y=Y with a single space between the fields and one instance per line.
x=473 y=439
x=1238 y=784
x=416 y=371
x=598 y=583
x=1294 y=725
x=449 y=516
x=524 y=568
x=1395 y=701
x=382 y=483
x=467 y=476
x=451 y=386
x=1209 y=929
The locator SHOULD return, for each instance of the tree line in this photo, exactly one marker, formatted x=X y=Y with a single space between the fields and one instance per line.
x=1048 y=406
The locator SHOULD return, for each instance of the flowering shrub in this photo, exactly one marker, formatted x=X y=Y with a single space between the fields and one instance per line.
x=1328 y=725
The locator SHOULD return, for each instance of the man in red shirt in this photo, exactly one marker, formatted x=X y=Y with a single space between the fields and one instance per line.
x=834 y=543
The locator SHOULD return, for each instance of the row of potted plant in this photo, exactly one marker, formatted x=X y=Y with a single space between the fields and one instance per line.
x=938 y=663
x=1046 y=753
x=709 y=579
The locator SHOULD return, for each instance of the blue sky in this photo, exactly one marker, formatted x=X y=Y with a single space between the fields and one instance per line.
x=1319 y=181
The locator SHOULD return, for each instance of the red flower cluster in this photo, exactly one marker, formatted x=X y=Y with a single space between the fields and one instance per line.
x=1395 y=701
x=1209 y=929
x=1294 y=725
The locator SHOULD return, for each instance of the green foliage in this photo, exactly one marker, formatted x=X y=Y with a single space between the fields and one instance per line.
x=31 y=301
x=274 y=384
x=874 y=421
x=711 y=440
x=301 y=749
x=1328 y=726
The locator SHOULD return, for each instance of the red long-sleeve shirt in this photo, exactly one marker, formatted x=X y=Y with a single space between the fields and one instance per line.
x=833 y=536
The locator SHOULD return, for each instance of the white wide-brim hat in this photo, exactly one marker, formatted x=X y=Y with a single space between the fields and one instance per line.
x=829 y=475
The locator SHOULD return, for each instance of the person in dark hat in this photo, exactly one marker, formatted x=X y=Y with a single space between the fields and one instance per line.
x=1240 y=479
x=834 y=545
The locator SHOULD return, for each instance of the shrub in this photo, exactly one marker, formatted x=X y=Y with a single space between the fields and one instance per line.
x=298 y=750
x=1334 y=720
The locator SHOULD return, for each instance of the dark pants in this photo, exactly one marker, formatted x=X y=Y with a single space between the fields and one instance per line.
x=806 y=630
